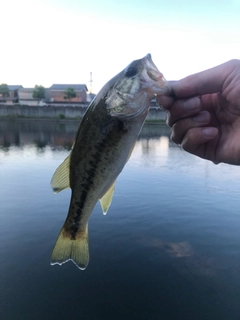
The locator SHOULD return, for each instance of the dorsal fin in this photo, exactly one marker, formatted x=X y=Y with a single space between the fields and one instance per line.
x=60 y=179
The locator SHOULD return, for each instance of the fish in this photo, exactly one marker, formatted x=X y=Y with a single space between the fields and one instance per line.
x=103 y=144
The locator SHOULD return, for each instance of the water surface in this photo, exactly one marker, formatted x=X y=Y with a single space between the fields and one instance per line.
x=169 y=247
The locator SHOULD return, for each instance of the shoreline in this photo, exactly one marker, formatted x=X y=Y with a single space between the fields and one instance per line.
x=62 y=113
x=22 y=119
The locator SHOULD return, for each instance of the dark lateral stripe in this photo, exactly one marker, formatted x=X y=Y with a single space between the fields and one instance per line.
x=86 y=187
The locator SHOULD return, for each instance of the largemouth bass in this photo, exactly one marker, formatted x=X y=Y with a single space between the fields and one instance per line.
x=103 y=144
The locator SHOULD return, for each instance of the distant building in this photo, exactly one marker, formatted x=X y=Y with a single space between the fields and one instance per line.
x=25 y=97
x=90 y=97
x=56 y=92
x=13 y=95
x=13 y=92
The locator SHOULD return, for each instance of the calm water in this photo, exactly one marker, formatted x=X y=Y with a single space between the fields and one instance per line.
x=169 y=247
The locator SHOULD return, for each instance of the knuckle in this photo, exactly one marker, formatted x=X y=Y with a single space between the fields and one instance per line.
x=191 y=140
x=234 y=63
x=184 y=144
x=187 y=144
x=176 y=134
x=168 y=119
x=174 y=138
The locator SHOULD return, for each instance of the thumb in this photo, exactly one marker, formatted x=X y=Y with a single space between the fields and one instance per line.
x=208 y=81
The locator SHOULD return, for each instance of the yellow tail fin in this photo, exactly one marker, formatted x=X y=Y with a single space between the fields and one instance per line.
x=68 y=249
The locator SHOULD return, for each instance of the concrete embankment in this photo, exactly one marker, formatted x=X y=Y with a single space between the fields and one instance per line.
x=60 y=112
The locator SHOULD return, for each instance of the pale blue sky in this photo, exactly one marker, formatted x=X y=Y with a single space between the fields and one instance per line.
x=54 y=41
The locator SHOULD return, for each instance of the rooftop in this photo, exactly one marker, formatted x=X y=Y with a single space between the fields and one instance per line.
x=14 y=87
x=65 y=86
x=26 y=89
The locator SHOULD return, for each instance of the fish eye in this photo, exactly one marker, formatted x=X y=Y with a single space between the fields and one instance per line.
x=131 y=72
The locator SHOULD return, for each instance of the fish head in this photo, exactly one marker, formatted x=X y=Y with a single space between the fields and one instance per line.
x=134 y=88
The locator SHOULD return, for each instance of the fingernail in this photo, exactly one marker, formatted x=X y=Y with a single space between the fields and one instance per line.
x=201 y=117
x=193 y=103
x=210 y=132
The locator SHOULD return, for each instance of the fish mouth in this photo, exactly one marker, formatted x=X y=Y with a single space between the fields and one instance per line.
x=159 y=84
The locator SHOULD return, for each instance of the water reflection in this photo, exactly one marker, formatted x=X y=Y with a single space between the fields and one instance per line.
x=38 y=133
x=56 y=133
x=151 y=150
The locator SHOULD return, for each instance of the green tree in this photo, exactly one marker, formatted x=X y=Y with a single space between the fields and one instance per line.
x=4 y=91
x=38 y=93
x=69 y=93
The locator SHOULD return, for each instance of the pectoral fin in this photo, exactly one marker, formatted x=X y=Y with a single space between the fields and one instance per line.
x=106 y=200
x=60 y=179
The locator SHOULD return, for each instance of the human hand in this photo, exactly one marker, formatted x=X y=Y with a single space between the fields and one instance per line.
x=205 y=113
